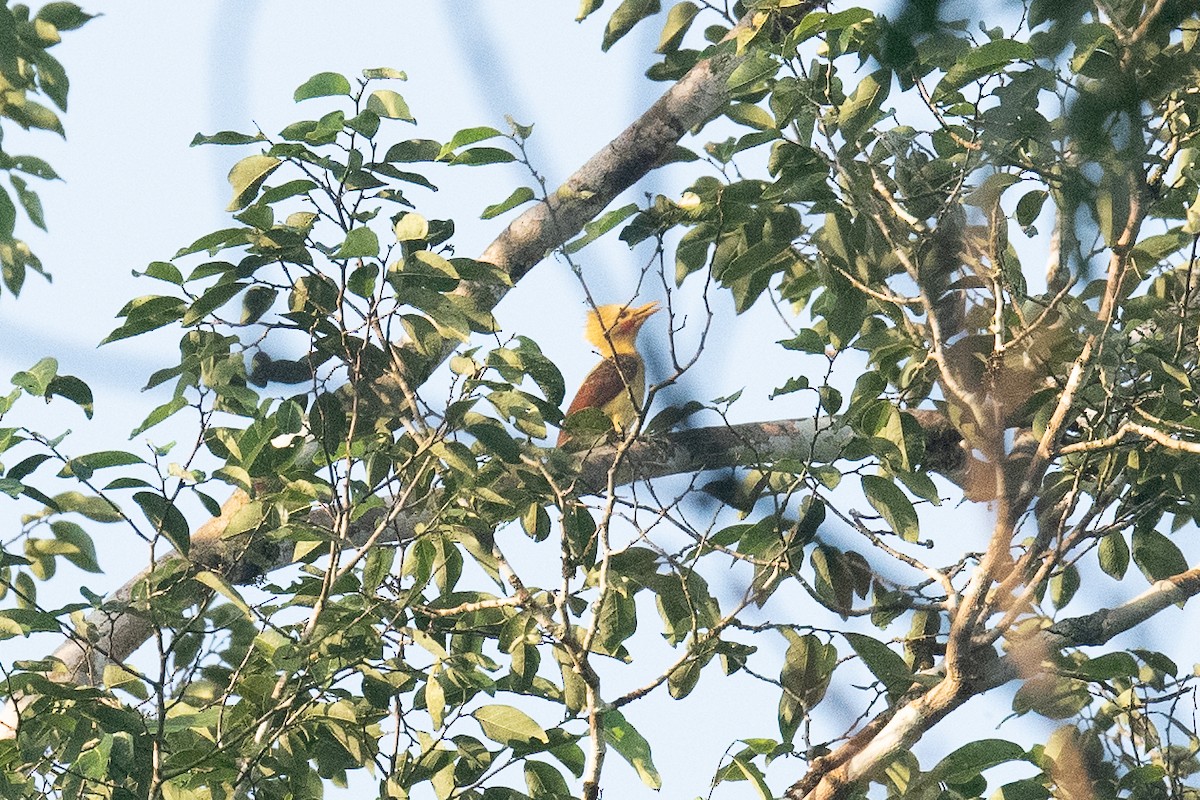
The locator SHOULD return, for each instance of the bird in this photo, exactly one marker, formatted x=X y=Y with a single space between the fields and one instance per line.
x=617 y=385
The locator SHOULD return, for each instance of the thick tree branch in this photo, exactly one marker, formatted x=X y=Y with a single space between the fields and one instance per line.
x=112 y=633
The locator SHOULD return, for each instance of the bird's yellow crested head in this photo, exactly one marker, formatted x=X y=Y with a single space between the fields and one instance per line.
x=614 y=328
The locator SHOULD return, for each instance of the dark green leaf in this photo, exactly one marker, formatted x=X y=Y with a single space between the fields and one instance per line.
x=979 y=61
x=479 y=156
x=885 y=664
x=1156 y=555
x=209 y=301
x=971 y=759
x=545 y=781
x=893 y=505
x=166 y=519
x=83 y=552
x=29 y=201
x=64 y=16
x=226 y=137
x=757 y=67
x=73 y=389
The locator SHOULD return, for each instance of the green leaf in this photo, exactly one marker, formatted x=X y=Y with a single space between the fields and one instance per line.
x=1156 y=555
x=52 y=78
x=84 y=466
x=521 y=195
x=8 y=216
x=1025 y=789
x=29 y=201
x=1109 y=666
x=146 y=314
x=1064 y=585
x=679 y=19
x=807 y=670
x=509 y=726
x=73 y=389
x=94 y=508
x=755 y=776
x=470 y=136
x=980 y=61
x=35 y=115
x=359 y=243
x=247 y=176
x=628 y=14
x=366 y=123
x=162 y=412
x=751 y=116
x=480 y=156
x=759 y=66
x=893 y=505
x=328 y=421
x=256 y=302
x=34 y=166
x=1052 y=696
x=226 y=137
x=414 y=150
x=971 y=759
x=323 y=84
x=166 y=519
x=208 y=302
x=36 y=379
x=885 y=664
x=387 y=73
x=632 y=747
x=587 y=8
x=164 y=271
x=1029 y=207
x=215 y=241
x=834 y=582
x=544 y=781
x=600 y=226
x=83 y=551
x=225 y=589
x=1113 y=553
x=862 y=107
x=390 y=105
x=64 y=16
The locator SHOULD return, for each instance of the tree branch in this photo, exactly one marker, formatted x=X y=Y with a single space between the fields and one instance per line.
x=835 y=775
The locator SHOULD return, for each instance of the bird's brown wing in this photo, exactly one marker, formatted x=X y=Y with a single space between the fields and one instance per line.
x=605 y=382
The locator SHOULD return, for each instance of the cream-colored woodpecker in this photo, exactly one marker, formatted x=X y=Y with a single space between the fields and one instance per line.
x=617 y=385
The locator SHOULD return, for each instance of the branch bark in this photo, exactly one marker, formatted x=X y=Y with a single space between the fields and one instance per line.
x=112 y=633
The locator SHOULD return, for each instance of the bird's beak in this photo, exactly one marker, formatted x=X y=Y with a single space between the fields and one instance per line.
x=644 y=312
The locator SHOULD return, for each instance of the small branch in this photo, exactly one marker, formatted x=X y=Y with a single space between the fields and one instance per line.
x=469 y=608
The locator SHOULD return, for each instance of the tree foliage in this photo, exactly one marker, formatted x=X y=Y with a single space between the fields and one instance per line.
x=983 y=236
x=27 y=71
